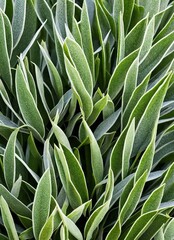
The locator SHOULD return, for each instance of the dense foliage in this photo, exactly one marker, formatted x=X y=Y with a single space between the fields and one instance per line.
x=86 y=119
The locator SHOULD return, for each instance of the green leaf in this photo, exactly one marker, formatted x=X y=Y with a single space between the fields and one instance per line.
x=75 y=171
x=118 y=77
x=104 y=126
x=127 y=149
x=140 y=225
x=9 y=34
x=147 y=39
x=40 y=85
x=136 y=95
x=61 y=137
x=133 y=198
x=76 y=32
x=151 y=7
x=168 y=180
x=48 y=163
x=162 y=152
x=135 y=37
x=97 y=109
x=155 y=56
x=85 y=30
x=44 y=13
x=130 y=83
x=168 y=233
x=118 y=6
x=146 y=160
x=47 y=229
x=121 y=39
x=78 y=86
x=3 y=4
x=16 y=205
x=27 y=234
x=64 y=173
x=128 y=9
x=168 y=28
x=155 y=226
x=61 y=16
x=54 y=75
x=18 y=21
x=96 y=157
x=9 y=161
x=154 y=200
x=8 y=220
x=77 y=213
x=27 y=104
x=117 y=153
x=98 y=215
x=70 y=225
x=79 y=61
x=114 y=233
x=28 y=32
x=17 y=187
x=41 y=204
x=5 y=71
x=149 y=118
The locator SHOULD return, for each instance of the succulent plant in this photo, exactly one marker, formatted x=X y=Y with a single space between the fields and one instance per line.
x=86 y=119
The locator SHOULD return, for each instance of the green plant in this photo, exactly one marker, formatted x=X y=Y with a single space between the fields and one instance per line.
x=86 y=119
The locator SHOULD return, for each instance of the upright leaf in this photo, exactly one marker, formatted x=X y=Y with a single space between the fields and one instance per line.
x=87 y=37
x=127 y=149
x=5 y=71
x=41 y=204
x=118 y=77
x=96 y=157
x=8 y=220
x=155 y=56
x=78 y=86
x=135 y=36
x=149 y=118
x=78 y=58
x=154 y=200
x=98 y=215
x=9 y=161
x=27 y=104
x=18 y=22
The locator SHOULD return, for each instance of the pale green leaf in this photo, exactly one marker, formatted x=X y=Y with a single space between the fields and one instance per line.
x=135 y=36
x=78 y=86
x=98 y=215
x=8 y=220
x=130 y=83
x=155 y=56
x=18 y=21
x=118 y=77
x=54 y=75
x=149 y=118
x=127 y=149
x=9 y=161
x=27 y=104
x=154 y=200
x=168 y=233
x=15 y=205
x=140 y=225
x=155 y=226
x=5 y=71
x=96 y=157
x=133 y=198
x=41 y=204
x=87 y=36
x=78 y=58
